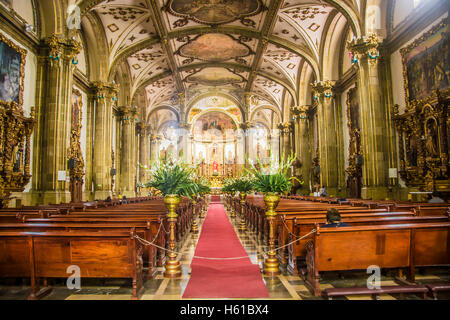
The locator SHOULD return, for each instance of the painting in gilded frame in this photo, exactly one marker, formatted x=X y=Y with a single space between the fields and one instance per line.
x=426 y=64
x=215 y=12
x=12 y=71
x=8 y=3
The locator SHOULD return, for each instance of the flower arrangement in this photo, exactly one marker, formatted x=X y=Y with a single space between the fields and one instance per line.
x=273 y=179
x=229 y=185
x=244 y=184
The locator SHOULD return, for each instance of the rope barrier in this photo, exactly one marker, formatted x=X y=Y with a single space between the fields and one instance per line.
x=147 y=243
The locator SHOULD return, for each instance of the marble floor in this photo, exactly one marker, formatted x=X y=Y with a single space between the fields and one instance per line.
x=283 y=287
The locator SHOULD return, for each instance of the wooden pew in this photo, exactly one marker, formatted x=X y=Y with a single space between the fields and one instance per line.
x=48 y=255
x=155 y=225
x=144 y=229
x=405 y=246
x=302 y=227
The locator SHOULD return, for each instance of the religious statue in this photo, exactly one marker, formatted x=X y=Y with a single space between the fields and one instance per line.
x=430 y=143
x=230 y=158
x=215 y=168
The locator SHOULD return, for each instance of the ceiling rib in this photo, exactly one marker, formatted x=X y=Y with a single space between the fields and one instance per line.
x=268 y=26
x=164 y=35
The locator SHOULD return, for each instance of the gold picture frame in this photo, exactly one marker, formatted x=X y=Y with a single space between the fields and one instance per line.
x=413 y=56
x=8 y=3
x=12 y=85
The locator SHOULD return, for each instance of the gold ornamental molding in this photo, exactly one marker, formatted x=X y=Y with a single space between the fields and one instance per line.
x=15 y=142
x=285 y=127
x=323 y=89
x=22 y=54
x=59 y=48
x=105 y=90
x=423 y=143
x=301 y=112
x=410 y=100
x=246 y=125
x=128 y=114
x=366 y=46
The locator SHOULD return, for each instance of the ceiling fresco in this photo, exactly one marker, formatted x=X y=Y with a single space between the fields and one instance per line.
x=214 y=12
x=214 y=47
x=200 y=46
x=213 y=76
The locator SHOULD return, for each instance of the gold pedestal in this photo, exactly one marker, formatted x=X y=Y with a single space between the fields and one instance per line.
x=271 y=265
x=194 y=227
x=233 y=213
x=173 y=267
x=243 y=226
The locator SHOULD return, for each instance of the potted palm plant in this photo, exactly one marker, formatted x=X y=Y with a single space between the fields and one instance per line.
x=272 y=181
x=173 y=180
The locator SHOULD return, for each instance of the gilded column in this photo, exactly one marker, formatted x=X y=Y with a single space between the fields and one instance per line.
x=286 y=131
x=303 y=150
x=105 y=99
x=153 y=148
x=246 y=126
x=323 y=95
x=88 y=195
x=117 y=116
x=128 y=152
x=52 y=135
x=183 y=132
x=373 y=118
x=144 y=151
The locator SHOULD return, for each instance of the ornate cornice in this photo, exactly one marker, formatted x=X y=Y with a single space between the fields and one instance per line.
x=323 y=89
x=300 y=112
x=246 y=125
x=365 y=47
x=285 y=127
x=60 y=48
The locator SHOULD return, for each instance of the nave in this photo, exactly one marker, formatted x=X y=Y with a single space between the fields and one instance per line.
x=283 y=287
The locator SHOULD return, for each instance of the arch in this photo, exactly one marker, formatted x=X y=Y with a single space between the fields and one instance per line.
x=201 y=114
x=96 y=47
x=275 y=110
x=53 y=17
x=351 y=14
x=331 y=44
x=222 y=94
x=163 y=107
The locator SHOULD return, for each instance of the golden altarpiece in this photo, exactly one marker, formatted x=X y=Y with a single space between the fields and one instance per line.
x=423 y=137
x=15 y=130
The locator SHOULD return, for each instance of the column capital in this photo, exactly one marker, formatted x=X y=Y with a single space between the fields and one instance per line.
x=300 y=112
x=184 y=125
x=246 y=125
x=323 y=89
x=61 y=48
x=128 y=113
x=285 y=127
x=366 y=46
x=104 y=90
x=143 y=128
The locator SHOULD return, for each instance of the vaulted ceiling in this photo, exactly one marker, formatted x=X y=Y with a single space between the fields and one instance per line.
x=231 y=46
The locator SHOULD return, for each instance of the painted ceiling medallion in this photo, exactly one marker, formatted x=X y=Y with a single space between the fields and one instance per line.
x=213 y=76
x=215 y=12
x=214 y=47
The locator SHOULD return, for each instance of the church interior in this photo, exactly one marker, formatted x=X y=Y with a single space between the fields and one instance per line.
x=104 y=104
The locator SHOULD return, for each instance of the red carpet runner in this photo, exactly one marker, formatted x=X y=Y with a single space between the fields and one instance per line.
x=223 y=278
